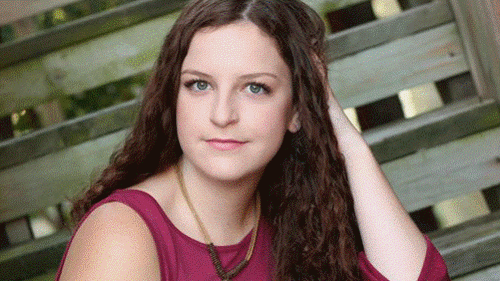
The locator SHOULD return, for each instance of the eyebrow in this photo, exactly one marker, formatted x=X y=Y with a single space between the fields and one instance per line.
x=246 y=76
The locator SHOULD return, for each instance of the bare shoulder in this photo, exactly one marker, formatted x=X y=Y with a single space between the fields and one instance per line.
x=113 y=243
x=161 y=187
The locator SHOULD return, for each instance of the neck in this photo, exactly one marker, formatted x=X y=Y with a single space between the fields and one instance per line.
x=226 y=208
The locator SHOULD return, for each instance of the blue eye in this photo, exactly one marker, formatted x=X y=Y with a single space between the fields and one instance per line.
x=255 y=88
x=258 y=88
x=197 y=85
x=201 y=85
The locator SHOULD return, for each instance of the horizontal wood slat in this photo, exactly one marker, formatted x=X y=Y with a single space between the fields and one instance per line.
x=383 y=31
x=84 y=29
x=55 y=177
x=486 y=274
x=67 y=134
x=323 y=6
x=447 y=171
x=382 y=71
x=33 y=258
x=86 y=66
x=470 y=246
x=397 y=139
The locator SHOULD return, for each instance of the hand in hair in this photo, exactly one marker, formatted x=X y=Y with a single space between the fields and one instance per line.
x=379 y=212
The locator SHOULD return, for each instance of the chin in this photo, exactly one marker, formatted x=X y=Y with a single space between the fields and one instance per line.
x=231 y=171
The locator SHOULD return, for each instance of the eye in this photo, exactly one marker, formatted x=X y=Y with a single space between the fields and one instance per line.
x=258 y=88
x=197 y=85
x=201 y=85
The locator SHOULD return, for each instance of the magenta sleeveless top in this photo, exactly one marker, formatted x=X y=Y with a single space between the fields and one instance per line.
x=183 y=258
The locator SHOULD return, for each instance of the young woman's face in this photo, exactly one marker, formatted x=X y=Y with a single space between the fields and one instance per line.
x=235 y=101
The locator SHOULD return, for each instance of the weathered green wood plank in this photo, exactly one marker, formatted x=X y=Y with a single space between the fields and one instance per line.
x=380 y=72
x=67 y=134
x=84 y=29
x=53 y=178
x=33 y=258
x=486 y=274
x=478 y=22
x=386 y=30
x=470 y=246
x=82 y=67
x=324 y=6
x=440 y=126
x=447 y=171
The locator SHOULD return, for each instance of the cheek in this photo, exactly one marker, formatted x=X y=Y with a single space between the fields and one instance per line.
x=273 y=123
x=186 y=120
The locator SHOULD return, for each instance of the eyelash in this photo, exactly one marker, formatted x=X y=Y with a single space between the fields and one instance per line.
x=267 y=89
x=190 y=83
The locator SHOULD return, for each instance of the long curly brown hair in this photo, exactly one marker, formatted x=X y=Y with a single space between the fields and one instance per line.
x=304 y=189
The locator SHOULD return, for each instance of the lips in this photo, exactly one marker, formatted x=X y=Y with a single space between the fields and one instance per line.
x=225 y=144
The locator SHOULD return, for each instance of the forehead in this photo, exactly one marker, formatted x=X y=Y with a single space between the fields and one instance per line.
x=235 y=47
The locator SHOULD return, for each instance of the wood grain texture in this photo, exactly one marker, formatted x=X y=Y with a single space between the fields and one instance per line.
x=383 y=31
x=380 y=72
x=479 y=28
x=76 y=69
x=425 y=131
x=33 y=258
x=85 y=28
x=470 y=246
x=323 y=6
x=486 y=274
x=447 y=171
x=53 y=178
x=66 y=134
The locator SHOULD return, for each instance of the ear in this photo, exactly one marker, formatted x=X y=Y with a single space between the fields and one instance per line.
x=294 y=125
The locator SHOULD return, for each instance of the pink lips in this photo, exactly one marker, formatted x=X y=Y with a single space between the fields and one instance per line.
x=225 y=144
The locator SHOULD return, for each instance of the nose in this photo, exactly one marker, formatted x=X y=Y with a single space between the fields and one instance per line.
x=224 y=109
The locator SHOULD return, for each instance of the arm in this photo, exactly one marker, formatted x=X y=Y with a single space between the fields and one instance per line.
x=392 y=241
x=113 y=243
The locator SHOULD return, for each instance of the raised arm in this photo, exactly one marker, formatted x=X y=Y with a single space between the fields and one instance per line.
x=392 y=241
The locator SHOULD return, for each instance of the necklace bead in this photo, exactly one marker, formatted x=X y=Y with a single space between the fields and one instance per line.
x=210 y=245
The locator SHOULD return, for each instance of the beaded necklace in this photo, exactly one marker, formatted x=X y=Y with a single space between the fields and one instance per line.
x=224 y=275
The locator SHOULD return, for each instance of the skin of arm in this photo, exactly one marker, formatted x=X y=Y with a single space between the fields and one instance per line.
x=392 y=241
x=113 y=243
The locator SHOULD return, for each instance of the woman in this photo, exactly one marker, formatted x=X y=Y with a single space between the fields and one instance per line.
x=234 y=147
